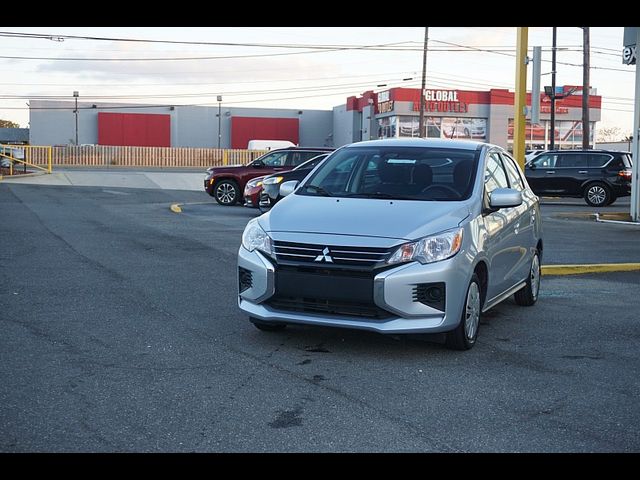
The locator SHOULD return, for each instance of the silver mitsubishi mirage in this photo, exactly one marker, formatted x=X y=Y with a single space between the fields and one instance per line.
x=395 y=236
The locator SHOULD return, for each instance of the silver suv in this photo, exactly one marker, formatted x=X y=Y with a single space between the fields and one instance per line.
x=395 y=236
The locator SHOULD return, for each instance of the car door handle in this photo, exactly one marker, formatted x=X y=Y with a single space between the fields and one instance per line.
x=550 y=172
x=582 y=171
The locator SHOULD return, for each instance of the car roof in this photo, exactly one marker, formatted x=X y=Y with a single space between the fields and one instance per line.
x=586 y=151
x=313 y=149
x=422 y=142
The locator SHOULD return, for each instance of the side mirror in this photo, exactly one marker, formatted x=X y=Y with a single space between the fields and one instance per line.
x=505 y=198
x=287 y=188
x=531 y=166
x=257 y=164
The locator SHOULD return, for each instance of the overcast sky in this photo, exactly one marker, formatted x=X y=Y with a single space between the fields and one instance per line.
x=281 y=77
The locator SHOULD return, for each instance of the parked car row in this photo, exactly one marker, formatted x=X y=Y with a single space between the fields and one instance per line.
x=401 y=235
x=226 y=184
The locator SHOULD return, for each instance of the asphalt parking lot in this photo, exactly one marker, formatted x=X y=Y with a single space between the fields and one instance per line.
x=120 y=332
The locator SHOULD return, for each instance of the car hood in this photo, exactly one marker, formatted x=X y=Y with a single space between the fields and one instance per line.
x=397 y=219
x=225 y=169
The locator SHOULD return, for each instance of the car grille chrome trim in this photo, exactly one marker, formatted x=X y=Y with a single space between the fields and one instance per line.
x=303 y=252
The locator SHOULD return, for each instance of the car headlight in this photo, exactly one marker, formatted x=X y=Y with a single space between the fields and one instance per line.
x=254 y=237
x=256 y=182
x=272 y=180
x=429 y=249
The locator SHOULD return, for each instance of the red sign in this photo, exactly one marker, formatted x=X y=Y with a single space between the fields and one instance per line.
x=443 y=107
x=547 y=109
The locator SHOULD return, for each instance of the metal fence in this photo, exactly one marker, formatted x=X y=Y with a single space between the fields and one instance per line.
x=16 y=156
x=104 y=156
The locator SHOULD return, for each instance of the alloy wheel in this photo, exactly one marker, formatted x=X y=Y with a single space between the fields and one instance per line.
x=472 y=312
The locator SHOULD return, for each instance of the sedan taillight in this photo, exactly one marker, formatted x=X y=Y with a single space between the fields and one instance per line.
x=626 y=174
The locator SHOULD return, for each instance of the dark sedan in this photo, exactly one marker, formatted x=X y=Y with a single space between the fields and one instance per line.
x=270 y=194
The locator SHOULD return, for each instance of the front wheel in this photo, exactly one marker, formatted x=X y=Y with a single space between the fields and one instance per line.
x=528 y=295
x=466 y=333
x=597 y=195
x=226 y=192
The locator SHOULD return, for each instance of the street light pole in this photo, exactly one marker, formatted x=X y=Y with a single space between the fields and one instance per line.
x=75 y=95
x=552 y=142
x=219 y=120
x=585 y=88
x=424 y=83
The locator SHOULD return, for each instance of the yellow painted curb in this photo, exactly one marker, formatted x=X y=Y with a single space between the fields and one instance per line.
x=175 y=208
x=589 y=268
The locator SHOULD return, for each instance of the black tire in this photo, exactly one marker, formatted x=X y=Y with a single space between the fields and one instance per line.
x=529 y=294
x=267 y=326
x=597 y=194
x=612 y=200
x=226 y=192
x=465 y=335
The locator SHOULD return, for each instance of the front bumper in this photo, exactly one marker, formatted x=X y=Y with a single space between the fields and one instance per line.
x=393 y=292
x=252 y=196
x=208 y=186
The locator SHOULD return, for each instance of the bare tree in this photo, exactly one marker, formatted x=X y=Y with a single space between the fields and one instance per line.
x=8 y=124
x=610 y=134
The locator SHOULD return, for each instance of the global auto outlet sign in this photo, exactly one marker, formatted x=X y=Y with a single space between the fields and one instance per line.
x=442 y=101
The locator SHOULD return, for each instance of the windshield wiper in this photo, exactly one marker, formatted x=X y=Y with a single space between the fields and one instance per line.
x=320 y=190
x=381 y=195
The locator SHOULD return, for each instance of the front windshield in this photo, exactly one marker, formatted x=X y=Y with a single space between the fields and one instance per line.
x=402 y=173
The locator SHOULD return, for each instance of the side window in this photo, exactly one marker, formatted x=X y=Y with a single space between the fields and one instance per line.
x=494 y=173
x=598 y=160
x=572 y=160
x=545 y=161
x=513 y=172
x=304 y=156
x=275 y=159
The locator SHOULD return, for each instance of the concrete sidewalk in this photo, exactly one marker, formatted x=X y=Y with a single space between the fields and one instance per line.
x=125 y=179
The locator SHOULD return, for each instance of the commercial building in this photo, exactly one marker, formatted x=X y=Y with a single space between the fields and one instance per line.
x=478 y=115
x=54 y=123
x=466 y=114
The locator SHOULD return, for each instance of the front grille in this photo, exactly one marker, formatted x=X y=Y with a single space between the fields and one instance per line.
x=362 y=257
x=245 y=279
x=326 y=306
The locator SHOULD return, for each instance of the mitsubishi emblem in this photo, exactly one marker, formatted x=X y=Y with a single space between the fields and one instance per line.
x=325 y=256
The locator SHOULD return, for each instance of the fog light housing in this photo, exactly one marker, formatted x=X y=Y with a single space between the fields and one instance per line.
x=431 y=294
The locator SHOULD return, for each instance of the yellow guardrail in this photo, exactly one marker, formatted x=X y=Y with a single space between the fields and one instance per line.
x=39 y=157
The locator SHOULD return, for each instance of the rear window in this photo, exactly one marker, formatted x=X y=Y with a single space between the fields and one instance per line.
x=598 y=160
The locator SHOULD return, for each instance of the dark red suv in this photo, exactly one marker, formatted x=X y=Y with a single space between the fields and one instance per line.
x=226 y=184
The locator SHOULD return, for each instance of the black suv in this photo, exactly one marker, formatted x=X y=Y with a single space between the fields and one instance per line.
x=600 y=176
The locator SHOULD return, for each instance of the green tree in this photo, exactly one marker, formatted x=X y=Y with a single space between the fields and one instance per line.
x=8 y=124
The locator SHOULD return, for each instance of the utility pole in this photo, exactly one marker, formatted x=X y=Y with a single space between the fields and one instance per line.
x=421 y=128
x=552 y=134
x=585 y=87
x=219 y=120
x=75 y=95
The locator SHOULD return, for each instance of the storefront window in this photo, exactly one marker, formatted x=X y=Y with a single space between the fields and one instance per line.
x=387 y=127
x=409 y=126
x=568 y=134
x=469 y=128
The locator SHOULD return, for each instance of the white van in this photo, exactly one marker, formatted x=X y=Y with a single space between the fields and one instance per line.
x=269 y=144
